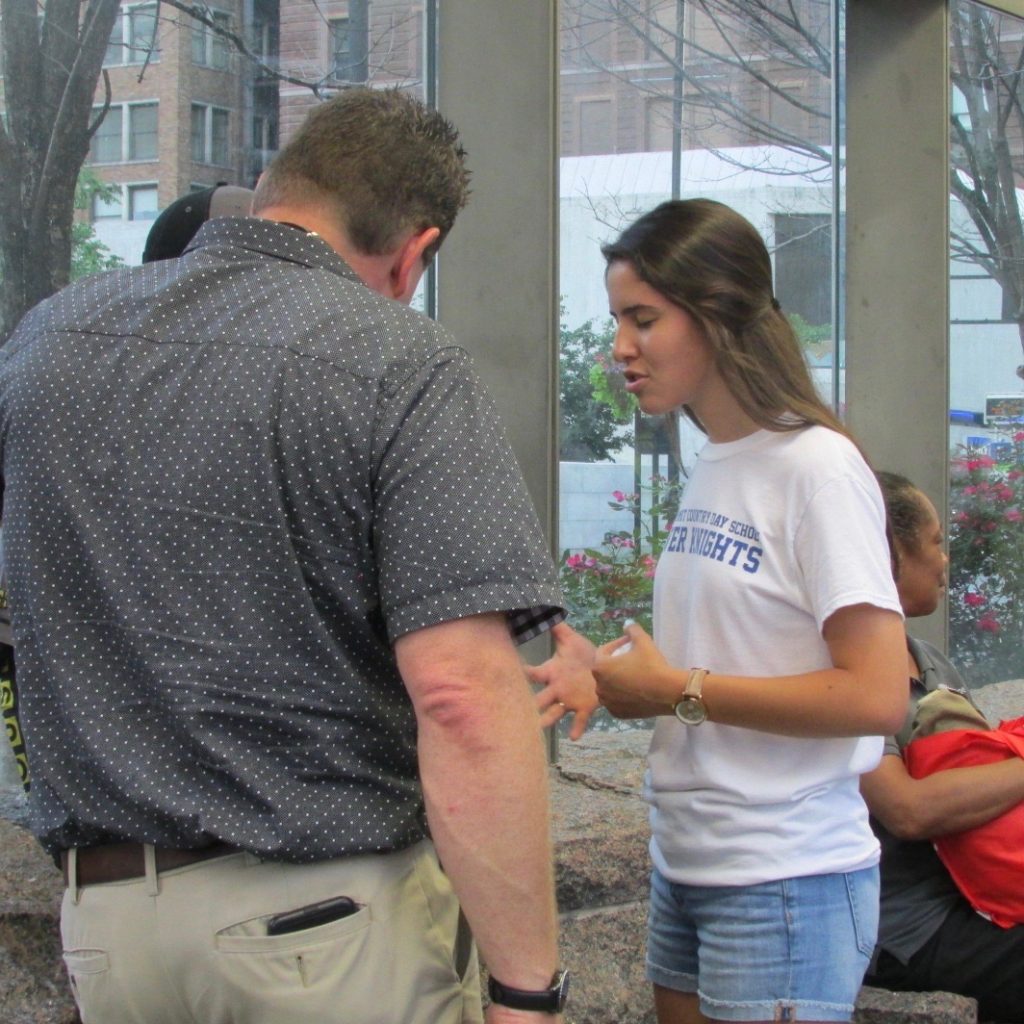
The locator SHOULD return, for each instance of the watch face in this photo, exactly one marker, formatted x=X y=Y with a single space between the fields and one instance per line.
x=691 y=711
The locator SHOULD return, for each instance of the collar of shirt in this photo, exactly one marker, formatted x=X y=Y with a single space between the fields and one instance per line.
x=271 y=238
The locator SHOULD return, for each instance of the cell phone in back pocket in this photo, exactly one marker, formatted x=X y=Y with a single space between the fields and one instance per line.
x=312 y=915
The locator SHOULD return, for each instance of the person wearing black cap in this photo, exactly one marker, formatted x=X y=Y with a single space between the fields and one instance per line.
x=177 y=224
x=269 y=555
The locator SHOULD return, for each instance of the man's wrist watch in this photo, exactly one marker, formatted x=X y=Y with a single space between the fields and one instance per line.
x=548 y=1000
x=691 y=709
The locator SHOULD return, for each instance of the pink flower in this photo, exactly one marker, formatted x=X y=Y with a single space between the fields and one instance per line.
x=973 y=599
x=1014 y=515
x=1014 y=474
x=618 y=496
x=1019 y=436
x=574 y=562
x=984 y=462
x=1004 y=493
x=970 y=489
x=989 y=624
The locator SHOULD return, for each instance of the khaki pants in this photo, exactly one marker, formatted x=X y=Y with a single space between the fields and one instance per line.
x=190 y=946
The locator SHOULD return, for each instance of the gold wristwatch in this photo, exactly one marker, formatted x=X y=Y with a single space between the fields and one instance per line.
x=691 y=709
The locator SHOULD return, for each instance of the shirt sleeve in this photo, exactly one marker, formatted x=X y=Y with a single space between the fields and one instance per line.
x=455 y=533
x=842 y=550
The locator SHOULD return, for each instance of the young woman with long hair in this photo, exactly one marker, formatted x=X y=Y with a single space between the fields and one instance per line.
x=777 y=661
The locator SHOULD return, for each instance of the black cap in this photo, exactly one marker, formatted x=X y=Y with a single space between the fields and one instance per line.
x=177 y=225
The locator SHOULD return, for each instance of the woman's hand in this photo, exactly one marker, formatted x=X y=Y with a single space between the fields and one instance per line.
x=633 y=678
x=567 y=682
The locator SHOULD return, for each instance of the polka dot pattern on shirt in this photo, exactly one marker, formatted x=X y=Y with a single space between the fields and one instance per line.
x=231 y=482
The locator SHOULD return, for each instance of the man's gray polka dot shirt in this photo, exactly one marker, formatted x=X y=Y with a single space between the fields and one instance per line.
x=231 y=481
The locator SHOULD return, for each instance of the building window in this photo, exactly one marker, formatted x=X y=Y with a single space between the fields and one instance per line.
x=133 y=37
x=142 y=141
x=263 y=41
x=142 y=202
x=210 y=135
x=264 y=140
x=111 y=208
x=208 y=47
x=349 y=46
x=595 y=127
x=658 y=116
x=106 y=142
x=128 y=132
x=126 y=202
x=786 y=102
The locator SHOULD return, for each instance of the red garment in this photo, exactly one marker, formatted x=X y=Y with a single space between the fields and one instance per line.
x=986 y=862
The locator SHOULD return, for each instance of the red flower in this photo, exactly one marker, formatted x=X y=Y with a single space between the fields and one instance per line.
x=974 y=600
x=989 y=624
x=1014 y=515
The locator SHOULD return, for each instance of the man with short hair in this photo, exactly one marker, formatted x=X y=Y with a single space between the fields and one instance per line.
x=269 y=554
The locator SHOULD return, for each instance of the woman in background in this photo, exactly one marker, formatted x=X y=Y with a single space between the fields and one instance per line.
x=778 y=642
x=929 y=937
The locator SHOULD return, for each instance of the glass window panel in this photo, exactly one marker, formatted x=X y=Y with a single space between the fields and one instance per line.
x=107 y=209
x=106 y=142
x=220 y=47
x=986 y=397
x=658 y=124
x=756 y=129
x=350 y=43
x=209 y=48
x=197 y=133
x=142 y=202
x=142 y=129
x=341 y=43
x=142 y=34
x=595 y=126
x=219 y=141
x=198 y=43
x=115 y=47
x=292 y=35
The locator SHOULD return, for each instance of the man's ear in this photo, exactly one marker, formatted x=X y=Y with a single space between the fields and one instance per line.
x=407 y=267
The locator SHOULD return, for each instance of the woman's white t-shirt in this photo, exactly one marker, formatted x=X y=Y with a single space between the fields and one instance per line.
x=776 y=532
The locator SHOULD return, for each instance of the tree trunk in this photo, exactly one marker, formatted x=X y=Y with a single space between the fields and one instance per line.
x=52 y=63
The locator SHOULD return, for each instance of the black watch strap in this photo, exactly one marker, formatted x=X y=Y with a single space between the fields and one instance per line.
x=548 y=1000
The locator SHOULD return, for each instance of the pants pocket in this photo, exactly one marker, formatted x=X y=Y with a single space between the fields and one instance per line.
x=89 y=976
x=863 y=889
x=297 y=958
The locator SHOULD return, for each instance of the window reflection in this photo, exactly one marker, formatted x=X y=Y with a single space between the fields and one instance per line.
x=986 y=398
x=730 y=99
x=244 y=74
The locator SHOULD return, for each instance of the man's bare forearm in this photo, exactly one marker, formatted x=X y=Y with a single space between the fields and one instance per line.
x=484 y=776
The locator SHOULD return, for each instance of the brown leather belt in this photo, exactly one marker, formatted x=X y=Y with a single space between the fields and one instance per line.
x=116 y=862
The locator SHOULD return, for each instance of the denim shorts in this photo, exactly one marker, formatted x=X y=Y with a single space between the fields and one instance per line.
x=791 y=950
